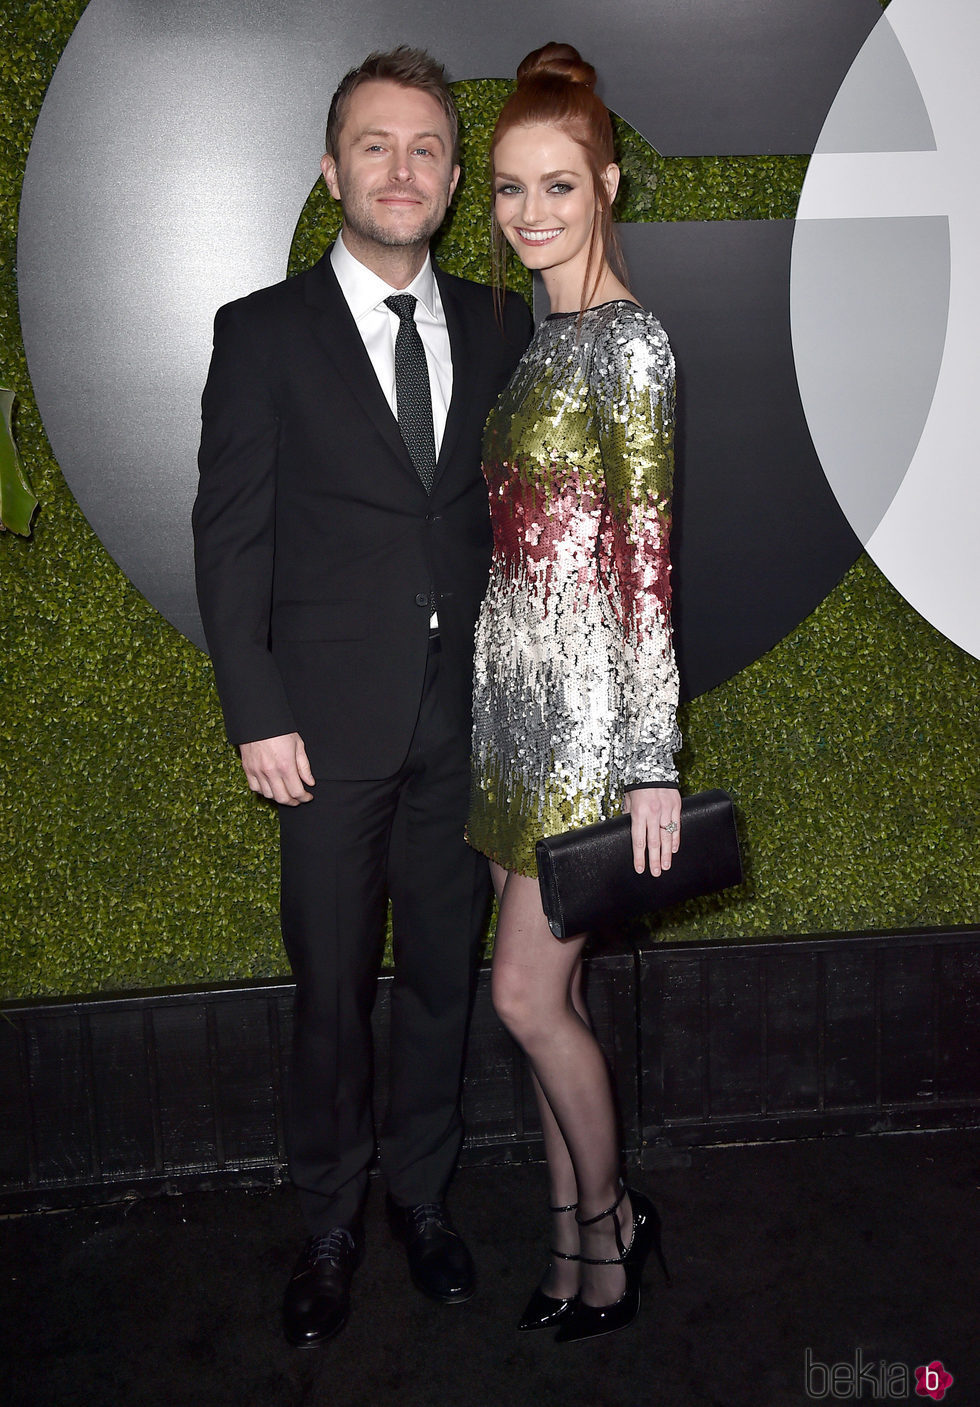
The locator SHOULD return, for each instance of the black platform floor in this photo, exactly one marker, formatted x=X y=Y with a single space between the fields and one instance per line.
x=855 y=1251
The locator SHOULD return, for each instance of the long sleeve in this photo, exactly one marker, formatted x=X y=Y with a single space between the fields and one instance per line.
x=234 y=531
x=633 y=372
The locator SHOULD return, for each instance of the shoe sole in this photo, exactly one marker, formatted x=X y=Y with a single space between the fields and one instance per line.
x=460 y=1298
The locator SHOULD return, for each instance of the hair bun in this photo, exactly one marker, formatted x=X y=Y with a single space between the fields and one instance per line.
x=557 y=61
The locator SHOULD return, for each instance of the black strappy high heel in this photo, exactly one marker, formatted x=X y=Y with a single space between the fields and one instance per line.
x=541 y=1310
x=586 y=1321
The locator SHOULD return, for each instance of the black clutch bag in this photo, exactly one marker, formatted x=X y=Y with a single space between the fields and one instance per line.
x=587 y=876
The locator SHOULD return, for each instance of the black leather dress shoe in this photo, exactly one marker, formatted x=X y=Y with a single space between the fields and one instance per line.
x=317 y=1299
x=439 y=1262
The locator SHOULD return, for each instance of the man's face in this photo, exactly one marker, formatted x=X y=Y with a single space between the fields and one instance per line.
x=394 y=173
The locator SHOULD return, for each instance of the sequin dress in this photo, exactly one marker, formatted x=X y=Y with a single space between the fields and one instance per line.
x=575 y=684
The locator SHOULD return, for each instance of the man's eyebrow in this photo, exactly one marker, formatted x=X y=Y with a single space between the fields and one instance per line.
x=385 y=132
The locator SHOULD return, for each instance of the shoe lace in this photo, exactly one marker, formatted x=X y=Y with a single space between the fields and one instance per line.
x=428 y=1214
x=331 y=1247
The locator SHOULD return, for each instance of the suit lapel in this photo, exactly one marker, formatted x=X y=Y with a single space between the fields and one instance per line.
x=337 y=333
x=461 y=347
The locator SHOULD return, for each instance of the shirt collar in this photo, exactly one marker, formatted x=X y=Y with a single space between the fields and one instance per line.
x=365 y=291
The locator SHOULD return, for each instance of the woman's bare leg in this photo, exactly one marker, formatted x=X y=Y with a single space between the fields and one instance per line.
x=537 y=993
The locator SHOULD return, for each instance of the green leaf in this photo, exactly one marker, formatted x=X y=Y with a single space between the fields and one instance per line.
x=17 y=501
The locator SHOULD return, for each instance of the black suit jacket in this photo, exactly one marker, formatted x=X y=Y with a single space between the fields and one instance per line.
x=315 y=542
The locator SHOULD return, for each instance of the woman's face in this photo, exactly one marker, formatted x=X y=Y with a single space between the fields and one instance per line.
x=544 y=198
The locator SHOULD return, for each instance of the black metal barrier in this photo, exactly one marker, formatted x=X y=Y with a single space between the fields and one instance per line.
x=709 y=1043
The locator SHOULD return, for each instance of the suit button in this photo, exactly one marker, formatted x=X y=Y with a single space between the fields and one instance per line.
x=422 y=598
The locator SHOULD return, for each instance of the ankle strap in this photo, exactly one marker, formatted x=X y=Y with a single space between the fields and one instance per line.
x=616 y=1260
x=563 y=1255
x=591 y=1220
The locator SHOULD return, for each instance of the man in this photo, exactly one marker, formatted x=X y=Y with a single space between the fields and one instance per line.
x=342 y=543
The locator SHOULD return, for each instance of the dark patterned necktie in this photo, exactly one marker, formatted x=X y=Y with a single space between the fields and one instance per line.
x=412 y=389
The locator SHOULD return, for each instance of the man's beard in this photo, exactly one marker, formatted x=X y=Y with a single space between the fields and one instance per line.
x=361 y=221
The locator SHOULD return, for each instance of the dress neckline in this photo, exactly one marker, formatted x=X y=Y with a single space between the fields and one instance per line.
x=595 y=308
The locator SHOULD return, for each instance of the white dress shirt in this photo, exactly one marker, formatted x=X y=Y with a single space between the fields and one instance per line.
x=365 y=293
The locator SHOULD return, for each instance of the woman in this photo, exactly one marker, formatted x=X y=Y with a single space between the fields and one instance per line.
x=575 y=684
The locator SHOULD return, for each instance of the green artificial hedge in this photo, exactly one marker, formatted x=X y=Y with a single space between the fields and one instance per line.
x=131 y=853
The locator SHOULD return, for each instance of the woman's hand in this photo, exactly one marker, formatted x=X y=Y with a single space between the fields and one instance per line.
x=656 y=818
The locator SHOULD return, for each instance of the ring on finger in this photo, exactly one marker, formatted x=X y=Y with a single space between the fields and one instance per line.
x=670 y=828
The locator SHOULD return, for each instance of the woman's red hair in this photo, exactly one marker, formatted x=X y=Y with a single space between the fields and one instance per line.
x=556 y=88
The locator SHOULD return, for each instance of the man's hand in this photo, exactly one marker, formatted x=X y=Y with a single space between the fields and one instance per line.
x=655 y=813
x=278 y=768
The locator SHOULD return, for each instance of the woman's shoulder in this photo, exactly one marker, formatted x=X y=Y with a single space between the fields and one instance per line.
x=626 y=334
x=624 y=318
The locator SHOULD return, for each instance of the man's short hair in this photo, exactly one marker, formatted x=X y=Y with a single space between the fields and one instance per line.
x=412 y=68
